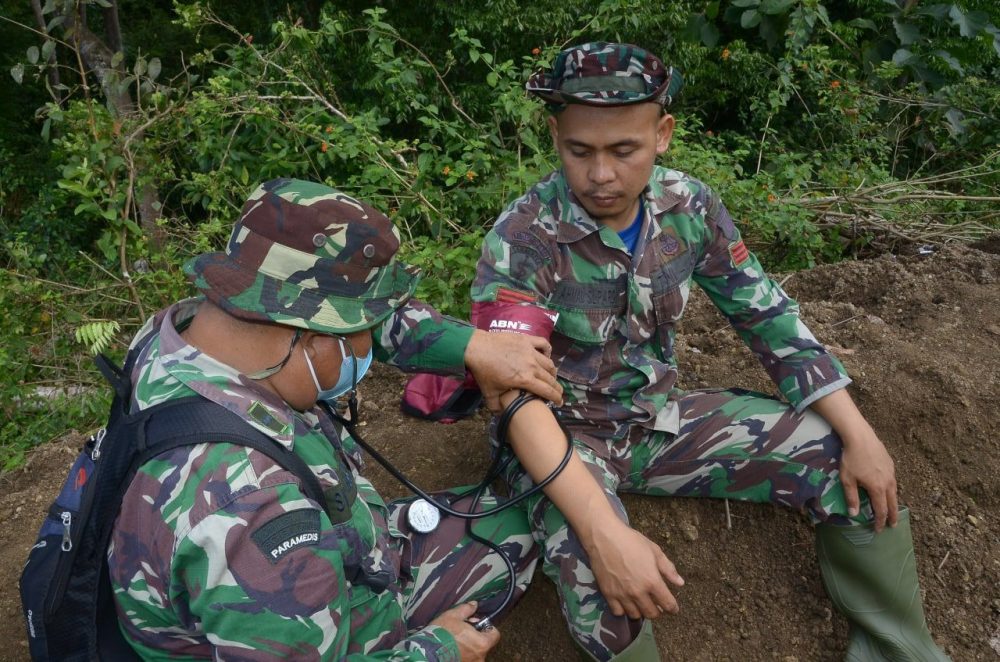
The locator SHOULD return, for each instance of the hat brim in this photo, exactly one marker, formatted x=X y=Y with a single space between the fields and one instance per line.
x=254 y=296
x=541 y=86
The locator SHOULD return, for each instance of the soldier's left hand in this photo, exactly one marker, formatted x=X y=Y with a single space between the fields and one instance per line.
x=504 y=361
x=866 y=462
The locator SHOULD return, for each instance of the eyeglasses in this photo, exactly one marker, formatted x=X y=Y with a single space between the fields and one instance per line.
x=267 y=372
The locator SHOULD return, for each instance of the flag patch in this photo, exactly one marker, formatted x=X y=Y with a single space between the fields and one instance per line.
x=738 y=252
x=505 y=295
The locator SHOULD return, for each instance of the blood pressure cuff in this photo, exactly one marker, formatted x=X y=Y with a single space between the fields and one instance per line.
x=448 y=399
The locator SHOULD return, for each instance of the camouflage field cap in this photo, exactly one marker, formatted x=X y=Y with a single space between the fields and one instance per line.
x=606 y=74
x=307 y=255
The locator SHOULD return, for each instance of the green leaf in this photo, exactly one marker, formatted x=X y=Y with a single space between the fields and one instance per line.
x=492 y=79
x=864 y=24
x=102 y=3
x=17 y=72
x=49 y=6
x=750 y=18
x=907 y=32
x=116 y=59
x=33 y=54
x=939 y=11
x=47 y=48
x=776 y=6
x=46 y=128
x=154 y=68
x=712 y=10
x=709 y=35
x=771 y=33
x=951 y=60
x=969 y=25
x=746 y=3
x=996 y=37
x=955 y=118
x=903 y=57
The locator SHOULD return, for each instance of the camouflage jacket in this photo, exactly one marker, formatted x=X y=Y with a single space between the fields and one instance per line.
x=217 y=553
x=614 y=340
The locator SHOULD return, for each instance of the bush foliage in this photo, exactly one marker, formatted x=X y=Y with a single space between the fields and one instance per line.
x=831 y=130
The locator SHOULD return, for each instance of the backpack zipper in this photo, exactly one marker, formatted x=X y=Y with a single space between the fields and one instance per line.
x=68 y=545
x=96 y=453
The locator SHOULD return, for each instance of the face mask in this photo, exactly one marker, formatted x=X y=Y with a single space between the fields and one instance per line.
x=347 y=379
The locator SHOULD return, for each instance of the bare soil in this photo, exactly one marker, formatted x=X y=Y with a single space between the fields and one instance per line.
x=921 y=337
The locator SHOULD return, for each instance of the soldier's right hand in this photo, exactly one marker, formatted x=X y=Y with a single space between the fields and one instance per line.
x=632 y=572
x=472 y=644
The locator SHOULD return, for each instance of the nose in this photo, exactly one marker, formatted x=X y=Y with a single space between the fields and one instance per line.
x=361 y=342
x=601 y=170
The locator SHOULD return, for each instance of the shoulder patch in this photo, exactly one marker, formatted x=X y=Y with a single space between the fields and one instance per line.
x=738 y=252
x=260 y=414
x=284 y=533
x=505 y=295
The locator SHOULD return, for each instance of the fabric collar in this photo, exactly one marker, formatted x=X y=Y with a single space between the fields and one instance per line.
x=217 y=381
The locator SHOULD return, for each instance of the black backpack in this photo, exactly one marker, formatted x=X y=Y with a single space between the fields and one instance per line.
x=65 y=588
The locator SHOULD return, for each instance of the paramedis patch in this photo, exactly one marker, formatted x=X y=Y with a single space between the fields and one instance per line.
x=294 y=529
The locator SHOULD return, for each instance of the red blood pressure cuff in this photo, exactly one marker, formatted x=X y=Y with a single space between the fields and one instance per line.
x=448 y=399
x=511 y=317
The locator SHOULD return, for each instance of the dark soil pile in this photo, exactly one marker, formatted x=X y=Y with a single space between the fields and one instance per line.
x=921 y=338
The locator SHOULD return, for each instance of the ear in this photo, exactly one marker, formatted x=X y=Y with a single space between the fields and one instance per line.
x=553 y=122
x=664 y=132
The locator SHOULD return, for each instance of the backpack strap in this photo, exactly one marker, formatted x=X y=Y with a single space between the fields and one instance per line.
x=195 y=420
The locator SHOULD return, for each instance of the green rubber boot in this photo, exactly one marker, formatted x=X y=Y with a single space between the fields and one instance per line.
x=643 y=649
x=872 y=580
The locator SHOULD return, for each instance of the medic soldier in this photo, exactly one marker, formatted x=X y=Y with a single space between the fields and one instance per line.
x=217 y=553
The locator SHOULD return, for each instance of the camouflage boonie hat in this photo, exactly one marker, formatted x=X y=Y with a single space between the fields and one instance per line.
x=606 y=74
x=306 y=255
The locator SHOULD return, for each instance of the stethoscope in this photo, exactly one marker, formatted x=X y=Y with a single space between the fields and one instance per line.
x=424 y=514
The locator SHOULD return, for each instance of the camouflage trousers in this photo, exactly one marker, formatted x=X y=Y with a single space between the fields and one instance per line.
x=731 y=444
x=445 y=567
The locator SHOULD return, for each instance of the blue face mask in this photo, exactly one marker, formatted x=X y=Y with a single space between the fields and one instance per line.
x=347 y=379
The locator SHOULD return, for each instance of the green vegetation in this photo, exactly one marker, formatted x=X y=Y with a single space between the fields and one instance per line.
x=135 y=130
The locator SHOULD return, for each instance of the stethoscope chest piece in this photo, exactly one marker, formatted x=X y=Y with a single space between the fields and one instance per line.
x=423 y=516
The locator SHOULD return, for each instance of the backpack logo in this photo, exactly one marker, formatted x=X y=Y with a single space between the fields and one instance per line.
x=81 y=478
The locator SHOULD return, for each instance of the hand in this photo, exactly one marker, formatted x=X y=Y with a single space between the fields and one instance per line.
x=504 y=361
x=632 y=572
x=866 y=462
x=472 y=644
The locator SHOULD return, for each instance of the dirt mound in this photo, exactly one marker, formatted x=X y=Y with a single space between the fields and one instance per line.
x=919 y=335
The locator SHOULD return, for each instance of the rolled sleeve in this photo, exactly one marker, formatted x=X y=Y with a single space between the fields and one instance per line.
x=417 y=338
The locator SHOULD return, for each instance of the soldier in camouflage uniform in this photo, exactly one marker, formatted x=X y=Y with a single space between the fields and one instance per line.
x=216 y=552
x=612 y=243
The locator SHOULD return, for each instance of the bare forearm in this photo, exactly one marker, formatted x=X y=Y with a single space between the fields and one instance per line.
x=843 y=416
x=540 y=445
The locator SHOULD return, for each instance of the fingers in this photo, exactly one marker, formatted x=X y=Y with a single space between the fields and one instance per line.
x=466 y=610
x=541 y=345
x=850 y=494
x=669 y=571
x=879 y=507
x=893 y=503
x=492 y=400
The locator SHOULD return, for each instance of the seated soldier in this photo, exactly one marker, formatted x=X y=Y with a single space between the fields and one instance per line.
x=217 y=553
x=611 y=242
